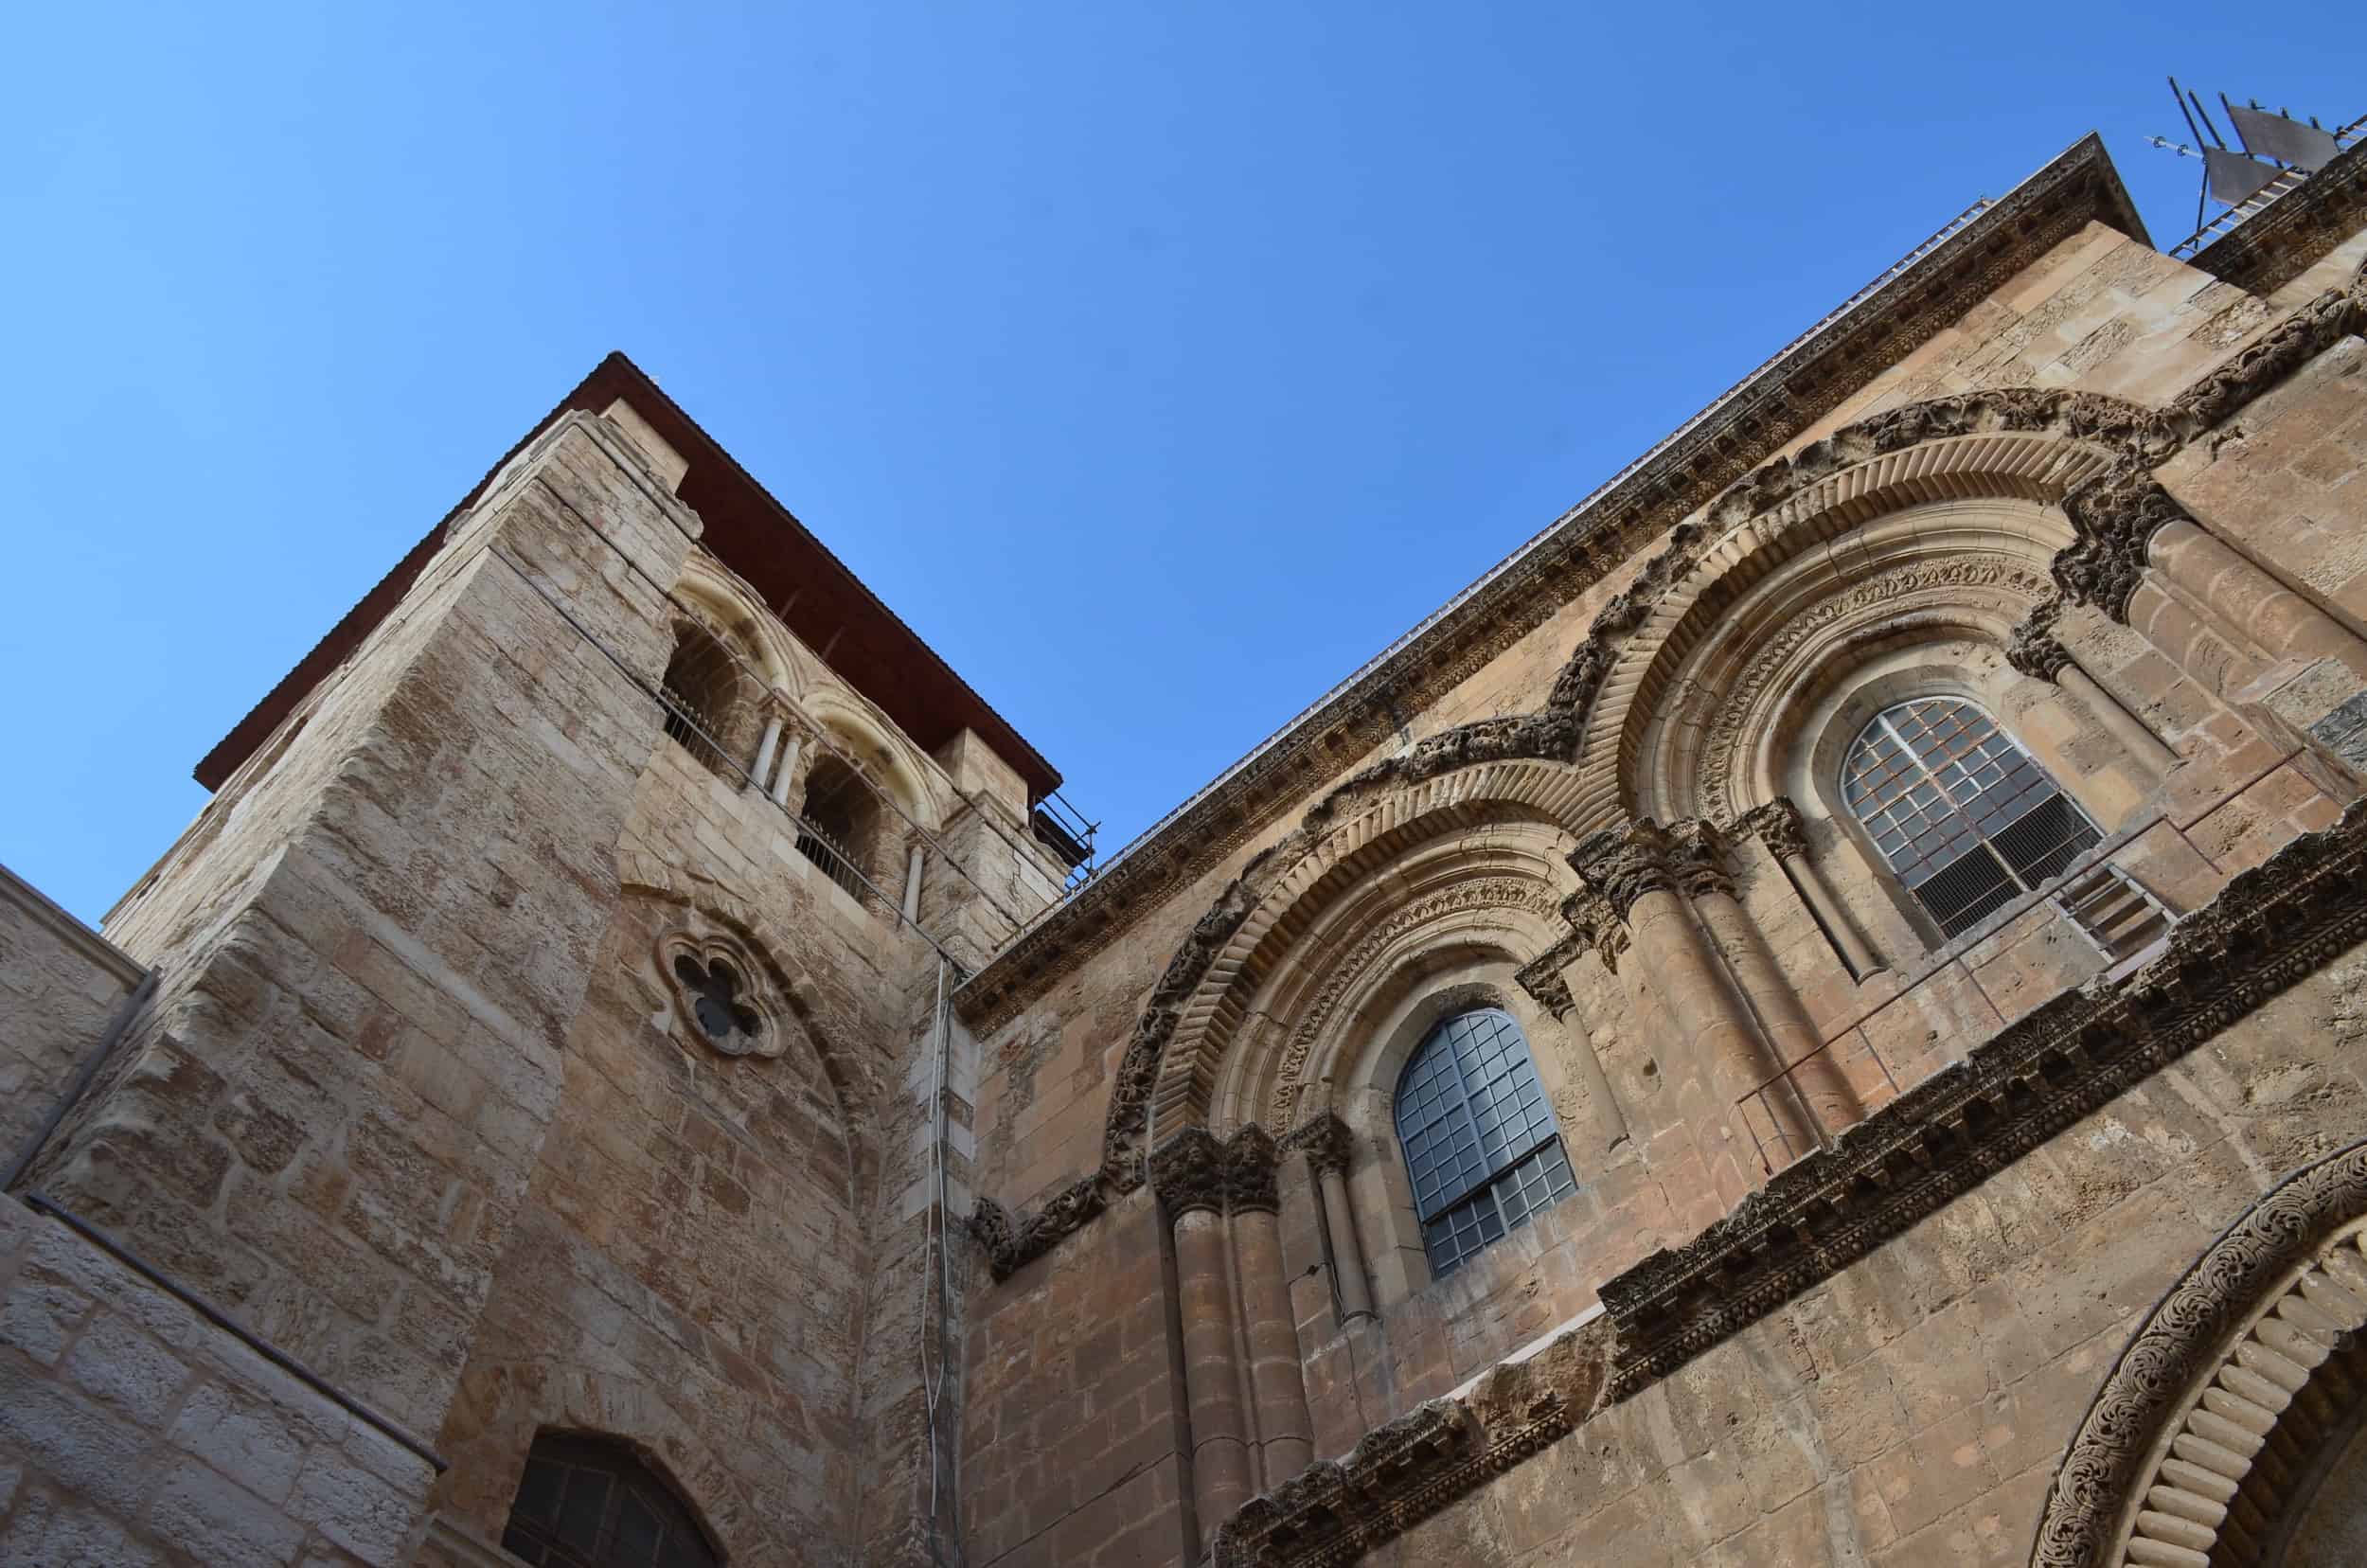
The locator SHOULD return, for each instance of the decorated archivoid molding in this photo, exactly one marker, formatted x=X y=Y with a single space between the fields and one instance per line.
x=2166 y=1465
x=2270 y=928
x=2113 y=509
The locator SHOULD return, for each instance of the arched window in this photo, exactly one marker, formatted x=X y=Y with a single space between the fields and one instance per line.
x=591 y=1502
x=699 y=687
x=1963 y=817
x=1478 y=1136
x=841 y=817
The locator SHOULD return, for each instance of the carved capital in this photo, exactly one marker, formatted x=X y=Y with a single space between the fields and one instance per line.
x=1252 y=1163
x=1777 y=825
x=1327 y=1141
x=1195 y=1170
x=1624 y=863
x=1594 y=923
x=1542 y=976
x=1187 y=1172
x=2031 y=649
x=1703 y=858
x=2116 y=515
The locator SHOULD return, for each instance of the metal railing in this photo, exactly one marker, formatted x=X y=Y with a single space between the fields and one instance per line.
x=832 y=857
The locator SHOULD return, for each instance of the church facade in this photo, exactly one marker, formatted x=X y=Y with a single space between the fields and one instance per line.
x=1813 y=1015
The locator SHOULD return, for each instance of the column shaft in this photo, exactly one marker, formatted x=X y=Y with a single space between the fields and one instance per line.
x=912 y=883
x=2207 y=658
x=2282 y=623
x=2125 y=726
x=1790 y=1035
x=1855 y=955
x=1212 y=1388
x=1347 y=1254
x=1286 y=1430
x=789 y=769
x=760 y=775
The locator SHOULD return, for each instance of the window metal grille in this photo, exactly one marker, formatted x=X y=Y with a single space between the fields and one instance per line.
x=1963 y=816
x=1479 y=1139
x=590 y=1503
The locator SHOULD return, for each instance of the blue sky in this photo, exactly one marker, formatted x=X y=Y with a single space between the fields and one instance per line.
x=1159 y=364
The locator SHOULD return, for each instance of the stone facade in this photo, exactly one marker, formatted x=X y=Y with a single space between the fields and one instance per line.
x=594 y=1010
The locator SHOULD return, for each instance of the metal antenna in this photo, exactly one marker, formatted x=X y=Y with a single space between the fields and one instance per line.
x=2202 y=192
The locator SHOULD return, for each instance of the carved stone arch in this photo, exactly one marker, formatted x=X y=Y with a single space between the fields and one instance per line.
x=1906 y=526
x=504 y=1403
x=741 y=618
x=848 y=1082
x=1181 y=1038
x=858 y=729
x=1502 y=892
x=2206 y=1424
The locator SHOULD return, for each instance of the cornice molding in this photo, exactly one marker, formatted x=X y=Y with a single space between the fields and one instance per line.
x=1771 y=408
x=2264 y=252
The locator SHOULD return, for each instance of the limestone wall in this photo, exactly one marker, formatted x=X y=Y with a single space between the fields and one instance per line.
x=1913 y=1409
x=61 y=986
x=139 y=1434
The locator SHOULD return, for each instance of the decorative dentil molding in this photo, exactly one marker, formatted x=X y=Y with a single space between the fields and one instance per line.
x=2278 y=1292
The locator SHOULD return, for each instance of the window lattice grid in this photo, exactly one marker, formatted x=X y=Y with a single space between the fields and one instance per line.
x=1478 y=1136
x=1966 y=817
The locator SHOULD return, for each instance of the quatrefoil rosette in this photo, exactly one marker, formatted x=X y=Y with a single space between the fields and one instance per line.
x=720 y=996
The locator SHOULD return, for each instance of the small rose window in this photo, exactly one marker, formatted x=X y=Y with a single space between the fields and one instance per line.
x=718 y=999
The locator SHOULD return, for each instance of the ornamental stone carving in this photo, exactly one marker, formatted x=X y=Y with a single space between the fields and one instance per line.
x=1327 y=1142
x=1543 y=979
x=2032 y=650
x=1777 y=825
x=1196 y=1169
x=2116 y=514
x=2232 y=1346
x=1622 y=865
x=1703 y=859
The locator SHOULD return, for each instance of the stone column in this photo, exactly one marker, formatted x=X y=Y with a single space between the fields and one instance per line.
x=1189 y=1174
x=1286 y=1430
x=2034 y=651
x=913 y=860
x=2136 y=541
x=762 y=772
x=1328 y=1147
x=1718 y=1057
x=1792 y=1040
x=2279 y=621
x=787 y=778
x=1779 y=828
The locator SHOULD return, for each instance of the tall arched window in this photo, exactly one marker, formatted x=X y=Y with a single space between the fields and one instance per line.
x=1963 y=816
x=700 y=689
x=1478 y=1136
x=591 y=1502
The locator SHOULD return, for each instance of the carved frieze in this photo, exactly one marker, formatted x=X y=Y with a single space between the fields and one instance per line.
x=1622 y=865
